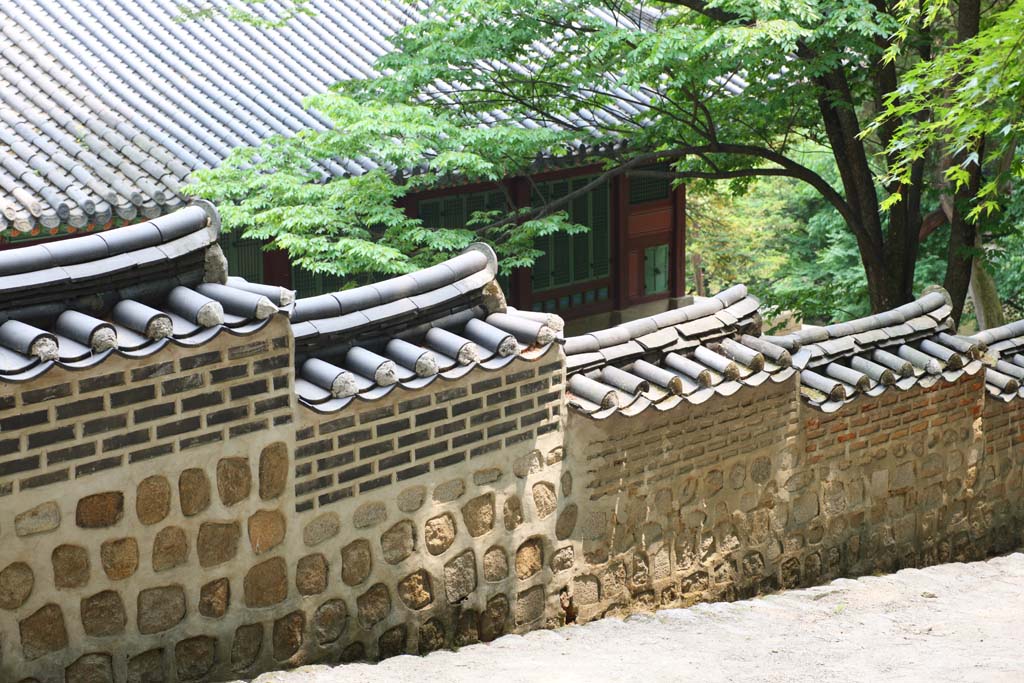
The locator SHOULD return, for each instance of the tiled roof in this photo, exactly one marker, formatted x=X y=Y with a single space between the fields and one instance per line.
x=107 y=106
x=1004 y=359
x=715 y=346
x=131 y=291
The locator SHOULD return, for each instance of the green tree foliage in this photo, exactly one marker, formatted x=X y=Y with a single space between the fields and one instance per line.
x=726 y=89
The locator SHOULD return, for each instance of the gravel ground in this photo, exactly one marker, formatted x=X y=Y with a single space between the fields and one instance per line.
x=954 y=622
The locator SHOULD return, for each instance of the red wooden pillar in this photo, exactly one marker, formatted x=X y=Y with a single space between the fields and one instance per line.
x=677 y=248
x=620 y=241
x=521 y=294
x=277 y=269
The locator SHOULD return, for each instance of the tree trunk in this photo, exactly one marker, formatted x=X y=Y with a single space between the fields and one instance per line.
x=987 y=307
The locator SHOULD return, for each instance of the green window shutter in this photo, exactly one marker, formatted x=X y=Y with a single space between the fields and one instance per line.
x=656 y=269
x=541 y=271
x=304 y=282
x=453 y=215
x=642 y=189
x=600 y=231
x=430 y=213
x=244 y=256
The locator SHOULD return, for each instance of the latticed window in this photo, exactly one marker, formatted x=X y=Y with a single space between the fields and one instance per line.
x=454 y=211
x=646 y=189
x=306 y=283
x=571 y=259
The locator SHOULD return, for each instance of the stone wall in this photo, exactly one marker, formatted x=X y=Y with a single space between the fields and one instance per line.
x=757 y=491
x=180 y=517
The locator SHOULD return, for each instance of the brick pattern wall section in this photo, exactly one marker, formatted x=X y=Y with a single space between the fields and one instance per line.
x=68 y=424
x=411 y=433
x=778 y=494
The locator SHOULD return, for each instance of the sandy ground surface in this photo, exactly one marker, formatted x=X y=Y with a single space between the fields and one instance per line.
x=955 y=622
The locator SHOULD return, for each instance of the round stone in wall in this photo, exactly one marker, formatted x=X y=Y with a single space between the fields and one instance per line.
x=449 y=491
x=119 y=557
x=273 y=470
x=415 y=590
x=493 y=619
x=170 y=549
x=95 y=667
x=460 y=576
x=147 y=666
x=544 y=499
x=431 y=636
x=356 y=562
x=311 y=574
x=563 y=559
x=530 y=605
x=329 y=621
x=439 y=533
x=217 y=542
x=495 y=564
x=321 y=528
x=392 y=642
x=529 y=558
x=103 y=614
x=266 y=584
x=193 y=491
x=153 y=500
x=234 y=480
x=40 y=519
x=43 y=632
x=70 y=566
x=353 y=652
x=512 y=513
x=160 y=608
x=214 y=598
x=100 y=510
x=194 y=658
x=411 y=499
x=266 y=530
x=478 y=514
x=246 y=646
x=398 y=542
x=16 y=582
x=467 y=628
x=566 y=522
x=566 y=483
x=369 y=514
x=373 y=605
x=287 y=636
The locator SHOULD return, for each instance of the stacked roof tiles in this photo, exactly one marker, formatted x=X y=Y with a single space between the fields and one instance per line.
x=1004 y=359
x=133 y=290
x=715 y=346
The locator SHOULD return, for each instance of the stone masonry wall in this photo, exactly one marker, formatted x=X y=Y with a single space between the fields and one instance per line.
x=180 y=517
x=757 y=491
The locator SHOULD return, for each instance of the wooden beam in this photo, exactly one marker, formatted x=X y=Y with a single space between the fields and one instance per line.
x=521 y=280
x=677 y=245
x=620 y=241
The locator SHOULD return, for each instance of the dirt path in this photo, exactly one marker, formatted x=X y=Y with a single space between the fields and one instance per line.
x=955 y=622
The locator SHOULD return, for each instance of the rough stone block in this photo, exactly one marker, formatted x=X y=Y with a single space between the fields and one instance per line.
x=494 y=618
x=43 y=632
x=449 y=491
x=321 y=528
x=460 y=576
x=16 y=582
x=103 y=614
x=153 y=500
x=329 y=621
x=392 y=642
x=266 y=530
x=40 y=519
x=193 y=491
x=415 y=590
x=214 y=598
x=266 y=584
x=563 y=559
x=273 y=470
x=170 y=549
x=246 y=646
x=544 y=499
x=217 y=542
x=411 y=499
x=234 y=480
x=530 y=605
x=495 y=564
x=100 y=510
x=373 y=605
x=529 y=558
x=439 y=533
x=356 y=562
x=194 y=658
x=478 y=514
x=70 y=566
x=369 y=514
x=432 y=636
x=95 y=667
x=566 y=522
x=398 y=542
x=147 y=667
x=512 y=513
x=160 y=608
x=287 y=635
x=311 y=574
x=119 y=558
